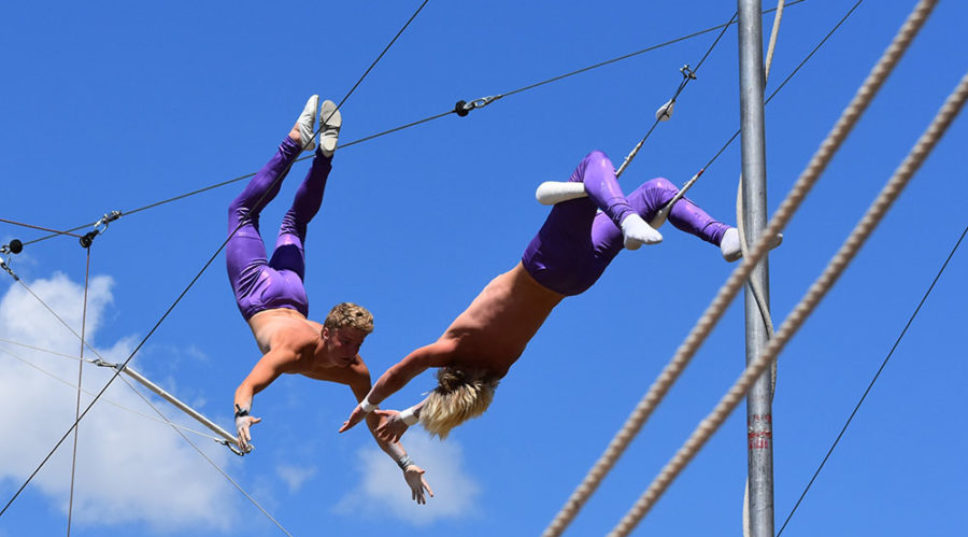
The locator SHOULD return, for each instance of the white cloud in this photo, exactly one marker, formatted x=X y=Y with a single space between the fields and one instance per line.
x=294 y=476
x=129 y=469
x=383 y=491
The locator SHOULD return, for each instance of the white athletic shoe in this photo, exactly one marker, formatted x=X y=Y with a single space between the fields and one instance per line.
x=552 y=192
x=306 y=121
x=638 y=232
x=330 y=121
x=730 y=246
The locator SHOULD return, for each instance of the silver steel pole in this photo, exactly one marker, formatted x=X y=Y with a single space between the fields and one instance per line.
x=233 y=441
x=759 y=414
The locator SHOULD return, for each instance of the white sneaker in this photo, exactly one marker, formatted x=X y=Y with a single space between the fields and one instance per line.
x=552 y=192
x=330 y=121
x=305 y=123
x=638 y=232
x=730 y=246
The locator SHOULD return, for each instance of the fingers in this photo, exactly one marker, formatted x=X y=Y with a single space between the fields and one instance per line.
x=255 y=420
x=427 y=486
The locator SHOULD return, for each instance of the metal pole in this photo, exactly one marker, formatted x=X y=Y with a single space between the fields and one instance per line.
x=230 y=440
x=759 y=415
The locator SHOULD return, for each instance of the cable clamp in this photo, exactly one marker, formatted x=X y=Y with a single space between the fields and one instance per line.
x=4 y=266
x=14 y=247
x=231 y=447
x=462 y=108
x=687 y=72
x=99 y=227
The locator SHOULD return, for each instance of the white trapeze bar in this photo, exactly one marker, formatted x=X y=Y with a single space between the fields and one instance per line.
x=229 y=440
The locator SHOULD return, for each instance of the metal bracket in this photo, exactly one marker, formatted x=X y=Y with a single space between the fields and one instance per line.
x=687 y=72
x=462 y=108
x=99 y=227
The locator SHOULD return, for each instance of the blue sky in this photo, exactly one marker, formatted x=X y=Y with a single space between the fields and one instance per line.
x=113 y=107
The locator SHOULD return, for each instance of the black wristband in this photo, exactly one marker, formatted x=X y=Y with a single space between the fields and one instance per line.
x=241 y=412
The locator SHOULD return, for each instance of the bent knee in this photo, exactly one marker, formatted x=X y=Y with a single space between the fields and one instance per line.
x=598 y=158
x=661 y=183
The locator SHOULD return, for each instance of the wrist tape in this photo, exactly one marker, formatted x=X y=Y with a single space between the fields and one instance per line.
x=367 y=406
x=404 y=462
x=409 y=416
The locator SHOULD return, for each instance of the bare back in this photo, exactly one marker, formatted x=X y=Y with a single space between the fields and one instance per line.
x=494 y=330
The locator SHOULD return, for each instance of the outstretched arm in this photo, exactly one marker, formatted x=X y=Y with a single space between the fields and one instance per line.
x=393 y=424
x=437 y=354
x=266 y=370
x=412 y=474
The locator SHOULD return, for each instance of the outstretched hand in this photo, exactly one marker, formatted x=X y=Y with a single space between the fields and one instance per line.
x=356 y=417
x=242 y=425
x=415 y=479
x=391 y=426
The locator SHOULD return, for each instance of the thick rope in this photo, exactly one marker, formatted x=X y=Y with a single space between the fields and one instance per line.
x=870 y=386
x=717 y=307
x=803 y=309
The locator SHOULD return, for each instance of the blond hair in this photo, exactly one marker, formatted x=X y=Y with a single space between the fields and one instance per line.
x=349 y=314
x=461 y=394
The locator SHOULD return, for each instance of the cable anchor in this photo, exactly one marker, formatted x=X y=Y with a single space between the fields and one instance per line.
x=462 y=108
x=14 y=247
x=687 y=72
x=99 y=227
x=4 y=266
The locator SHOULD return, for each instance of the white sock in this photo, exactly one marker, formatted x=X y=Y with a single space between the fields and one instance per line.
x=638 y=232
x=730 y=246
x=552 y=192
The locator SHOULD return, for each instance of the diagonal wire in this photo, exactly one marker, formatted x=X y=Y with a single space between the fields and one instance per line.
x=49 y=230
x=873 y=380
x=788 y=77
x=714 y=312
x=419 y=122
x=686 y=77
x=207 y=458
x=112 y=402
x=191 y=284
x=77 y=406
x=814 y=295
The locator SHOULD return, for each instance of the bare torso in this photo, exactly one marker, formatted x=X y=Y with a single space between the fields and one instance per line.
x=494 y=330
x=287 y=328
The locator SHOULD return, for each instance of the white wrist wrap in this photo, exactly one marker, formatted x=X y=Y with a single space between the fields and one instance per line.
x=409 y=416
x=367 y=406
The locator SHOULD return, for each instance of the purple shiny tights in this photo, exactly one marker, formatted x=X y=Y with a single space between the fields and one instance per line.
x=260 y=283
x=576 y=242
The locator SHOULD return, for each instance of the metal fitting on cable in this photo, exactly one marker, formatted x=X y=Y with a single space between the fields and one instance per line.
x=462 y=108
x=687 y=72
x=99 y=227
x=14 y=247
x=4 y=266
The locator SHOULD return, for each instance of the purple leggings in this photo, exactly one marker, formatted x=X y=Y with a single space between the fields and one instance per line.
x=576 y=243
x=261 y=283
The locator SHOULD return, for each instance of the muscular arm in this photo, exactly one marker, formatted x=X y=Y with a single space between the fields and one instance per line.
x=438 y=354
x=274 y=363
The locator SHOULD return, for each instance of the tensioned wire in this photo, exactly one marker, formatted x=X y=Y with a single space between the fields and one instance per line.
x=177 y=428
x=728 y=291
x=618 y=445
x=190 y=285
x=406 y=126
x=870 y=386
x=80 y=373
x=891 y=191
x=112 y=402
